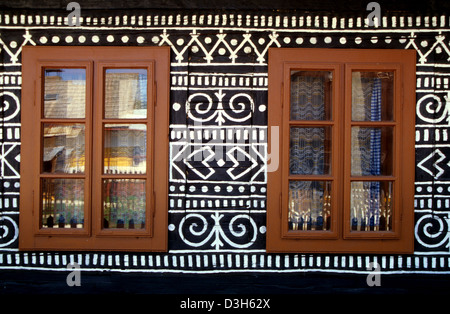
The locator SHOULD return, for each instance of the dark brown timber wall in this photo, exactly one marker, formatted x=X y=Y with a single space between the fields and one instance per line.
x=217 y=210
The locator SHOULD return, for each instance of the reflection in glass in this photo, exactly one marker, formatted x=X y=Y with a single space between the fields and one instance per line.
x=311 y=95
x=64 y=93
x=372 y=151
x=64 y=148
x=62 y=203
x=125 y=93
x=309 y=205
x=125 y=148
x=310 y=150
x=372 y=96
x=124 y=203
x=371 y=206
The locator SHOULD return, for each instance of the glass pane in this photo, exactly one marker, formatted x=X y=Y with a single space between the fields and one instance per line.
x=62 y=203
x=372 y=151
x=372 y=96
x=64 y=93
x=64 y=148
x=311 y=95
x=125 y=149
x=371 y=205
x=309 y=205
x=126 y=93
x=310 y=151
x=124 y=203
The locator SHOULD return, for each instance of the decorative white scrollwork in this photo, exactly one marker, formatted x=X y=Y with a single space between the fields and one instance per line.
x=431 y=109
x=196 y=231
x=9 y=106
x=9 y=231
x=199 y=107
x=432 y=231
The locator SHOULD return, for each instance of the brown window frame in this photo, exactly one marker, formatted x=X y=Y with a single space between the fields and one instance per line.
x=92 y=236
x=340 y=238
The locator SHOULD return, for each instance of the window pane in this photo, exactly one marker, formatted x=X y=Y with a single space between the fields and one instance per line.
x=309 y=205
x=371 y=206
x=311 y=95
x=372 y=96
x=125 y=148
x=64 y=148
x=310 y=151
x=124 y=203
x=126 y=93
x=62 y=203
x=64 y=93
x=372 y=151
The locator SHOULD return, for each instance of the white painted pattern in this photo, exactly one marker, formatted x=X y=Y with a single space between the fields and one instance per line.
x=212 y=37
x=226 y=262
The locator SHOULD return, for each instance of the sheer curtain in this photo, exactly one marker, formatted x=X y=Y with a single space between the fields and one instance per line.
x=308 y=153
x=308 y=150
x=366 y=152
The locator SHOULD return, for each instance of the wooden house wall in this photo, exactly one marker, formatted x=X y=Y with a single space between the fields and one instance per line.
x=217 y=209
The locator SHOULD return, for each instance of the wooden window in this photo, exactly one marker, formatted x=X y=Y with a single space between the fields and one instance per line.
x=345 y=182
x=94 y=165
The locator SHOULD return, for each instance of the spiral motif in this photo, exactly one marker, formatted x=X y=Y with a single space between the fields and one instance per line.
x=432 y=231
x=240 y=230
x=9 y=231
x=202 y=104
x=9 y=105
x=240 y=103
x=197 y=227
x=431 y=109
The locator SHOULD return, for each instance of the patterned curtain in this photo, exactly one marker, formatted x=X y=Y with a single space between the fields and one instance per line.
x=307 y=97
x=142 y=91
x=307 y=144
x=366 y=151
x=307 y=147
x=375 y=154
x=307 y=154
